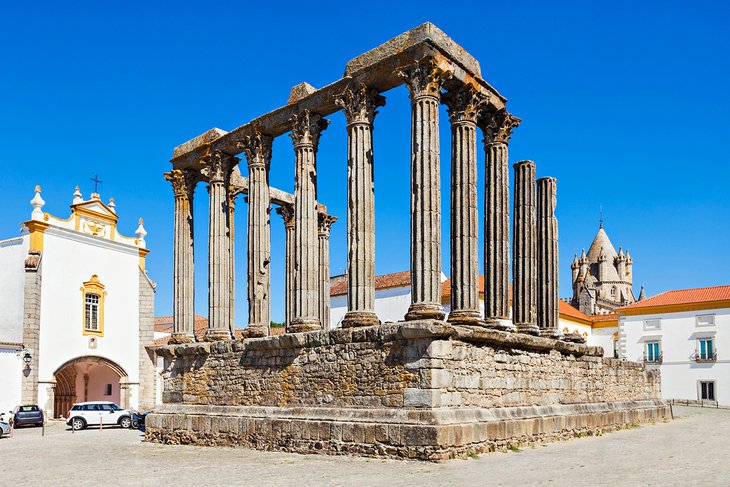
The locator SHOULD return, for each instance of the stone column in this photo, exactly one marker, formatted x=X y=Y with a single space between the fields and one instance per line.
x=463 y=107
x=218 y=172
x=287 y=214
x=547 y=259
x=325 y=223
x=232 y=195
x=524 y=269
x=183 y=186
x=497 y=129
x=424 y=84
x=306 y=130
x=258 y=154
x=360 y=104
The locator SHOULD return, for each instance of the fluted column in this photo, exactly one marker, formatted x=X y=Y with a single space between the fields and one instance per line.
x=306 y=130
x=218 y=172
x=463 y=107
x=360 y=104
x=325 y=223
x=287 y=214
x=183 y=186
x=424 y=84
x=233 y=193
x=524 y=268
x=497 y=129
x=547 y=259
x=257 y=149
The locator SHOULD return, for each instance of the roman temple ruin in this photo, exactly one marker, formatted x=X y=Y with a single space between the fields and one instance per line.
x=433 y=386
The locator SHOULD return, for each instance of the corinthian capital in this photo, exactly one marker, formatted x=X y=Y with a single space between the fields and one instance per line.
x=257 y=148
x=287 y=214
x=497 y=126
x=218 y=167
x=464 y=104
x=183 y=182
x=360 y=103
x=424 y=78
x=325 y=223
x=307 y=127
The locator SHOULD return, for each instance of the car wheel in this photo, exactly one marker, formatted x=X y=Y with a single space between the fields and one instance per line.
x=78 y=424
x=135 y=424
x=125 y=422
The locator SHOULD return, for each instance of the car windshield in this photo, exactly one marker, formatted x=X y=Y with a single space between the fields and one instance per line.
x=115 y=407
x=26 y=409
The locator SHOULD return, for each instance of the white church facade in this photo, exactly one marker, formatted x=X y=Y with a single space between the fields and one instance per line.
x=77 y=311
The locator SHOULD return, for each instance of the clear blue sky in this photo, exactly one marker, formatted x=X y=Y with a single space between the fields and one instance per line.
x=626 y=103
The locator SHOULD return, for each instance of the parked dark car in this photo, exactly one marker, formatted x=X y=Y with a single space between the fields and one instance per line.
x=27 y=414
x=138 y=420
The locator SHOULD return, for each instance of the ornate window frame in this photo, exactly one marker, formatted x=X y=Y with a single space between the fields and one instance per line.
x=93 y=286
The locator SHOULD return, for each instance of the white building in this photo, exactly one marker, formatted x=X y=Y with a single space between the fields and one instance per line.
x=77 y=311
x=686 y=335
x=393 y=297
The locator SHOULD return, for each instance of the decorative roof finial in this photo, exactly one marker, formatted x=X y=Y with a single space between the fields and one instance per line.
x=77 y=197
x=37 y=203
x=141 y=233
x=112 y=205
x=600 y=224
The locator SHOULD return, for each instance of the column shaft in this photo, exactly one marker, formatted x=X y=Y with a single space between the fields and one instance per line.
x=463 y=104
x=524 y=269
x=287 y=214
x=325 y=223
x=424 y=83
x=547 y=259
x=183 y=184
x=497 y=128
x=305 y=134
x=359 y=104
x=219 y=261
x=258 y=154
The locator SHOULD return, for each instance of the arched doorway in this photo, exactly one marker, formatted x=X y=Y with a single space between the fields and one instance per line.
x=88 y=379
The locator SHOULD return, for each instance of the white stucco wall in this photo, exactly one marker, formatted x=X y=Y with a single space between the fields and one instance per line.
x=390 y=305
x=70 y=259
x=11 y=366
x=679 y=335
x=603 y=337
x=12 y=259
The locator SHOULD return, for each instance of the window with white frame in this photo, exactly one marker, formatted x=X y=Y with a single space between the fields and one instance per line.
x=706 y=348
x=705 y=320
x=653 y=352
x=707 y=390
x=91 y=306
x=652 y=324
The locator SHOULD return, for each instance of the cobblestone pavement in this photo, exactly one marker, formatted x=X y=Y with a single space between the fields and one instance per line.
x=691 y=450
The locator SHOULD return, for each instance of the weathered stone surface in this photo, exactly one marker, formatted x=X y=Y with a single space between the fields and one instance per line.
x=426 y=32
x=524 y=257
x=300 y=91
x=547 y=259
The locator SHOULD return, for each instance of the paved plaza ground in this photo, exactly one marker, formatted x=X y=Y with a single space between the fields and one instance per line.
x=691 y=450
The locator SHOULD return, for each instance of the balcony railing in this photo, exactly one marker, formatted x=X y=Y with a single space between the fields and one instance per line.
x=657 y=359
x=705 y=358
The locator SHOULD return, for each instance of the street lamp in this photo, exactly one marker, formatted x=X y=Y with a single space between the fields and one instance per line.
x=27 y=358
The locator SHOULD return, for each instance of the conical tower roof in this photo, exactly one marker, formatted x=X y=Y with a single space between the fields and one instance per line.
x=601 y=241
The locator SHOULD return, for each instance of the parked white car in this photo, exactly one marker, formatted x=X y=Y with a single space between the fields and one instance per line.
x=4 y=428
x=84 y=414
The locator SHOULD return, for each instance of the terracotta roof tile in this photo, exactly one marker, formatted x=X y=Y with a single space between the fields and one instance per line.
x=683 y=296
x=396 y=279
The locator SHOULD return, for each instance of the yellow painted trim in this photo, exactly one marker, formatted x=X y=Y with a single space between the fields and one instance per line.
x=574 y=319
x=142 y=257
x=37 y=230
x=93 y=286
x=80 y=209
x=675 y=308
x=605 y=324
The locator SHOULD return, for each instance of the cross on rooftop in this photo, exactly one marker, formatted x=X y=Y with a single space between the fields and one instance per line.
x=96 y=181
